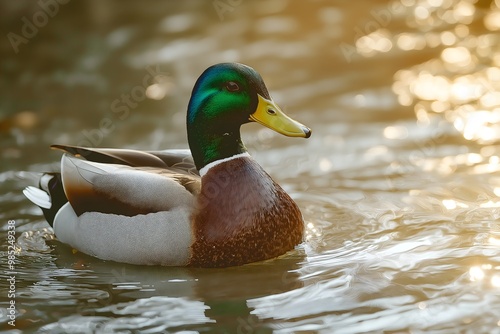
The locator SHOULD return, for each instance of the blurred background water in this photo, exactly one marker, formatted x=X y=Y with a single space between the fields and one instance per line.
x=398 y=185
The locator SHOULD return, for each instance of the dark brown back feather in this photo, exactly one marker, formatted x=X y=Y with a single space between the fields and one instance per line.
x=179 y=160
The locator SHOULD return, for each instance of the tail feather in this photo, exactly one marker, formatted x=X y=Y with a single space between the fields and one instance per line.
x=50 y=196
x=38 y=196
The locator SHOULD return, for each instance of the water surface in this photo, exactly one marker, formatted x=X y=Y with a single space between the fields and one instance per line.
x=398 y=184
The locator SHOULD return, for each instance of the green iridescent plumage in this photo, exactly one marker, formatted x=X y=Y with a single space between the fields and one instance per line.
x=222 y=100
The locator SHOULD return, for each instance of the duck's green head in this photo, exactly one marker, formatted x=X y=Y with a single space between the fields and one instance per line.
x=225 y=97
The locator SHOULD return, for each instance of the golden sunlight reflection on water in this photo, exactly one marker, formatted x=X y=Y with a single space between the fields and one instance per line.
x=399 y=184
x=485 y=273
x=462 y=84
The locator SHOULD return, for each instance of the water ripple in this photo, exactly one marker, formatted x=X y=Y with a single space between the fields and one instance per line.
x=147 y=315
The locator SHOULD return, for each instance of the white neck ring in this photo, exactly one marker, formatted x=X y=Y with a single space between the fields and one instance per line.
x=207 y=167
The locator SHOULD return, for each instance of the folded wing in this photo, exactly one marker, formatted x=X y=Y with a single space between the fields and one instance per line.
x=125 y=190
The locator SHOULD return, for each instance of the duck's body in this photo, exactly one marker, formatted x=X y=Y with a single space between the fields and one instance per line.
x=154 y=208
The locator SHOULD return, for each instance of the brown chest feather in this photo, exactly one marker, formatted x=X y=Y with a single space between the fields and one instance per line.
x=242 y=216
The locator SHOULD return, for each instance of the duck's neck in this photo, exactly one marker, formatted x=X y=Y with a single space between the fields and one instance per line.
x=209 y=144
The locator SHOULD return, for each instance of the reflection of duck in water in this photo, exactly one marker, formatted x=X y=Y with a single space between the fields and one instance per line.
x=211 y=207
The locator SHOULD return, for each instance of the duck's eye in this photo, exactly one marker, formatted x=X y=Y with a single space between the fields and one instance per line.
x=232 y=86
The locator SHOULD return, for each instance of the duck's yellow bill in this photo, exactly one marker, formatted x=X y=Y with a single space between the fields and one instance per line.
x=271 y=116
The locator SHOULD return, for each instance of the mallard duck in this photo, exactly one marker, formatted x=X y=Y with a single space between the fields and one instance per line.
x=210 y=206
